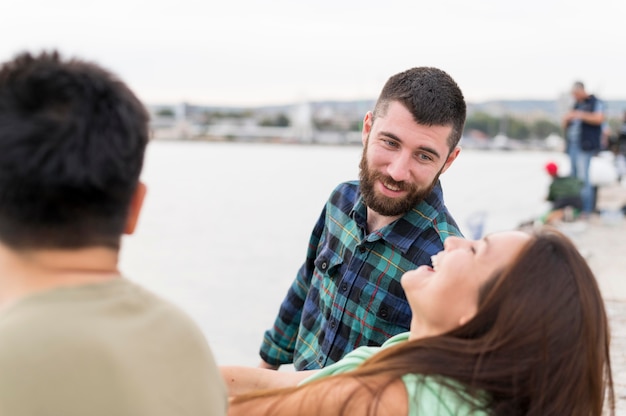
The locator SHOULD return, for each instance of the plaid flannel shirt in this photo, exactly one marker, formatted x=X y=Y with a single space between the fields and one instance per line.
x=347 y=293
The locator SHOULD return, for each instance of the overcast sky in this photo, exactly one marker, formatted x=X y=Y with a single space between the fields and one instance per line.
x=254 y=52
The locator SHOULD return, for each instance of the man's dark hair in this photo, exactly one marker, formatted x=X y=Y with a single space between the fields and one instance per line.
x=72 y=143
x=431 y=95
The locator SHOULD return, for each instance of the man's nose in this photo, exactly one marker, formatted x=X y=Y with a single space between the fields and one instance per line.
x=400 y=167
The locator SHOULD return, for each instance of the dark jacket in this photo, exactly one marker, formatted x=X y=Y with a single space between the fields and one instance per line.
x=590 y=133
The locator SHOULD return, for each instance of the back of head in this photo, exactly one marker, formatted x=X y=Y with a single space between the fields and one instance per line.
x=578 y=91
x=431 y=95
x=72 y=142
x=551 y=168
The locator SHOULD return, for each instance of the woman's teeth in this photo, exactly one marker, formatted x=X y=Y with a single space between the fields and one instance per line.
x=433 y=260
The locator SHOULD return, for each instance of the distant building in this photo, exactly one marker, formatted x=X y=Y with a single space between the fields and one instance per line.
x=302 y=122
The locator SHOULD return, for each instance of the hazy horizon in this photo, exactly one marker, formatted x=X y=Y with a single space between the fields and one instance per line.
x=330 y=100
x=248 y=53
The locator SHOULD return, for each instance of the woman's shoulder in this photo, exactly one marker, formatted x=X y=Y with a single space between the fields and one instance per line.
x=433 y=396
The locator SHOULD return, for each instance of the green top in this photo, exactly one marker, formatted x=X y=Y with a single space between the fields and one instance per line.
x=427 y=396
x=564 y=187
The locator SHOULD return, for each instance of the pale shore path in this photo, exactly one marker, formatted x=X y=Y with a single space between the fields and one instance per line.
x=617 y=317
x=602 y=240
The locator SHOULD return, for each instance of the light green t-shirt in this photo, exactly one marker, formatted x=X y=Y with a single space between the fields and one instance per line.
x=107 y=349
x=426 y=395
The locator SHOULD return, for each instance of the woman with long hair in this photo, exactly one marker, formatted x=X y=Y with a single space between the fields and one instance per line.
x=513 y=324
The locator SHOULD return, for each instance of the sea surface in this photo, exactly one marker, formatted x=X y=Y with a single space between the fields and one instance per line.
x=225 y=226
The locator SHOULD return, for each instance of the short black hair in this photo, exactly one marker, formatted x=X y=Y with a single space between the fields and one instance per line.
x=432 y=97
x=72 y=144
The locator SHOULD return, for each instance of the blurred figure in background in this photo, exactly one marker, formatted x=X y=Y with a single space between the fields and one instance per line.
x=583 y=131
x=619 y=149
x=564 y=194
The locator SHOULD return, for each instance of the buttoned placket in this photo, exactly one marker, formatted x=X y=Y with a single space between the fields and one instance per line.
x=345 y=286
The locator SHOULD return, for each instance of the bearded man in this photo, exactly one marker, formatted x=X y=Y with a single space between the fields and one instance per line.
x=347 y=293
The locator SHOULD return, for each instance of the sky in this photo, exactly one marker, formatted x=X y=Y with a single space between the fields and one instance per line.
x=259 y=52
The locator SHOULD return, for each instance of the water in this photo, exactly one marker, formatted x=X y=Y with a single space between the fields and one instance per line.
x=225 y=225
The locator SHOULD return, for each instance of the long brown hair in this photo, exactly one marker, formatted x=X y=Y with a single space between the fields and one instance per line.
x=538 y=345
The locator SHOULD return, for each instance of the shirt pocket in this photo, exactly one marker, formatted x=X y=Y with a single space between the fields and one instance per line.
x=395 y=312
x=328 y=264
x=327 y=274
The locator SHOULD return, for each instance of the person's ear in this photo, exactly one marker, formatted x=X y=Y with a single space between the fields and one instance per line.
x=451 y=157
x=467 y=317
x=135 y=208
x=367 y=127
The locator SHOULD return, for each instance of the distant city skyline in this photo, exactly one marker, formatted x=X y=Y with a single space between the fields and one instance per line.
x=248 y=53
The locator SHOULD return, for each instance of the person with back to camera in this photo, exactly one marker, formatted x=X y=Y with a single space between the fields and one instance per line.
x=347 y=293
x=620 y=149
x=513 y=324
x=564 y=194
x=76 y=337
x=583 y=129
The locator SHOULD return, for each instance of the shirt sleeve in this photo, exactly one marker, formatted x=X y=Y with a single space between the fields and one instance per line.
x=279 y=342
x=599 y=107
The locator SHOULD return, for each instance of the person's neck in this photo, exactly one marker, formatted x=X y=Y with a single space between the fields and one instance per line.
x=419 y=331
x=376 y=221
x=26 y=272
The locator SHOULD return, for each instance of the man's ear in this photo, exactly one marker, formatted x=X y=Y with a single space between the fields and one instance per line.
x=451 y=157
x=367 y=127
x=135 y=208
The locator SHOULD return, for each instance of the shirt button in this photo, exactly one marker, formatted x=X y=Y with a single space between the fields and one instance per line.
x=344 y=287
x=362 y=249
x=320 y=359
x=382 y=312
x=324 y=265
x=332 y=324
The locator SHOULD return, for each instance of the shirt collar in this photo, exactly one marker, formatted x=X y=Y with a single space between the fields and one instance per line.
x=403 y=232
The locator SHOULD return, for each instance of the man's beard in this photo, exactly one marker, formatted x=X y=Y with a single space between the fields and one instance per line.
x=390 y=207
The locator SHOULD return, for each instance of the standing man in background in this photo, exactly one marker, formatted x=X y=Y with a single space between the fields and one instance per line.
x=347 y=293
x=76 y=337
x=583 y=130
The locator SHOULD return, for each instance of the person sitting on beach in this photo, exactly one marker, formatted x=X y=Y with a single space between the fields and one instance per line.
x=513 y=324
x=565 y=196
x=76 y=337
x=347 y=292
